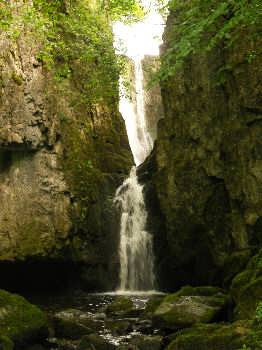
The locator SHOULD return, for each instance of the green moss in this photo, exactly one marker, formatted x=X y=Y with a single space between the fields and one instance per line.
x=120 y=305
x=215 y=337
x=20 y=321
x=6 y=343
x=246 y=289
x=152 y=305
x=196 y=291
x=18 y=79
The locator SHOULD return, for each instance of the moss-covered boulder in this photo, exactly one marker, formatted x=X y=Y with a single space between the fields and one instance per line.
x=6 y=343
x=20 y=321
x=146 y=342
x=118 y=327
x=246 y=289
x=94 y=341
x=120 y=306
x=73 y=324
x=152 y=305
x=189 y=306
x=236 y=336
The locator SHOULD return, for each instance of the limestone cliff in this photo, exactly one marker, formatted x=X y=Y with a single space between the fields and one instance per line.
x=205 y=189
x=60 y=164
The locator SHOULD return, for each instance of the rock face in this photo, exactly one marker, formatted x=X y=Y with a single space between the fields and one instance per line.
x=152 y=95
x=204 y=191
x=60 y=165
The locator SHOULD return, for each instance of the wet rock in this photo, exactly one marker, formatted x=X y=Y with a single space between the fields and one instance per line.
x=62 y=344
x=152 y=305
x=128 y=347
x=95 y=342
x=119 y=327
x=144 y=326
x=121 y=306
x=218 y=337
x=73 y=324
x=189 y=306
x=147 y=342
x=20 y=321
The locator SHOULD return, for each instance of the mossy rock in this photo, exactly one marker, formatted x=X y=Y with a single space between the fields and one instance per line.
x=74 y=324
x=20 y=321
x=152 y=305
x=189 y=306
x=208 y=291
x=246 y=289
x=119 y=327
x=212 y=337
x=120 y=306
x=147 y=342
x=6 y=343
x=94 y=341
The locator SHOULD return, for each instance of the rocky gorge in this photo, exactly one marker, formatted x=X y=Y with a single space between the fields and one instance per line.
x=64 y=152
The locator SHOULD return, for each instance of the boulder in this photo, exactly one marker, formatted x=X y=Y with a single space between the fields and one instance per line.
x=246 y=289
x=237 y=336
x=120 y=306
x=152 y=305
x=146 y=342
x=95 y=342
x=73 y=324
x=189 y=306
x=118 y=327
x=20 y=322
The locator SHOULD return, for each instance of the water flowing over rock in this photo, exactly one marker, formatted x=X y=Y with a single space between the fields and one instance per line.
x=136 y=244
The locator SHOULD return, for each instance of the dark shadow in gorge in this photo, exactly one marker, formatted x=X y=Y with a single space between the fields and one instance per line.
x=38 y=277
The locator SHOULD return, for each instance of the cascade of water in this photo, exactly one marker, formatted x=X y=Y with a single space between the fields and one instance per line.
x=136 y=244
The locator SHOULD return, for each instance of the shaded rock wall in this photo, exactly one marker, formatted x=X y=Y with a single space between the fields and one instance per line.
x=60 y=165
x=204 y=190
x=152 y=95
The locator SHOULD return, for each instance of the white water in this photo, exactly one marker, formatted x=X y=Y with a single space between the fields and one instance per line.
x=136 y=244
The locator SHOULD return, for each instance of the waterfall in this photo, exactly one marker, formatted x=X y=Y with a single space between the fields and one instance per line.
x=136 y=243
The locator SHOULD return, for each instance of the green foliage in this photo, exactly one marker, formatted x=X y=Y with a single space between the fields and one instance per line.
x=125 y=10
x=202 y=24
x=259 y=312
x=74 y=40
x=244 y=347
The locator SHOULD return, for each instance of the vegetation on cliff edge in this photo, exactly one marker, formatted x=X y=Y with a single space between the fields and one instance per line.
x=204 y=24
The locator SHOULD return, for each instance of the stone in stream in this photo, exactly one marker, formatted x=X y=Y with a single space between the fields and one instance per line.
x=95 y=342
x=146 y=342
x=152 y=305
x=122 y=306
x=119 y=327
x=189 y=306
x=21 y=323
x=73 y=324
